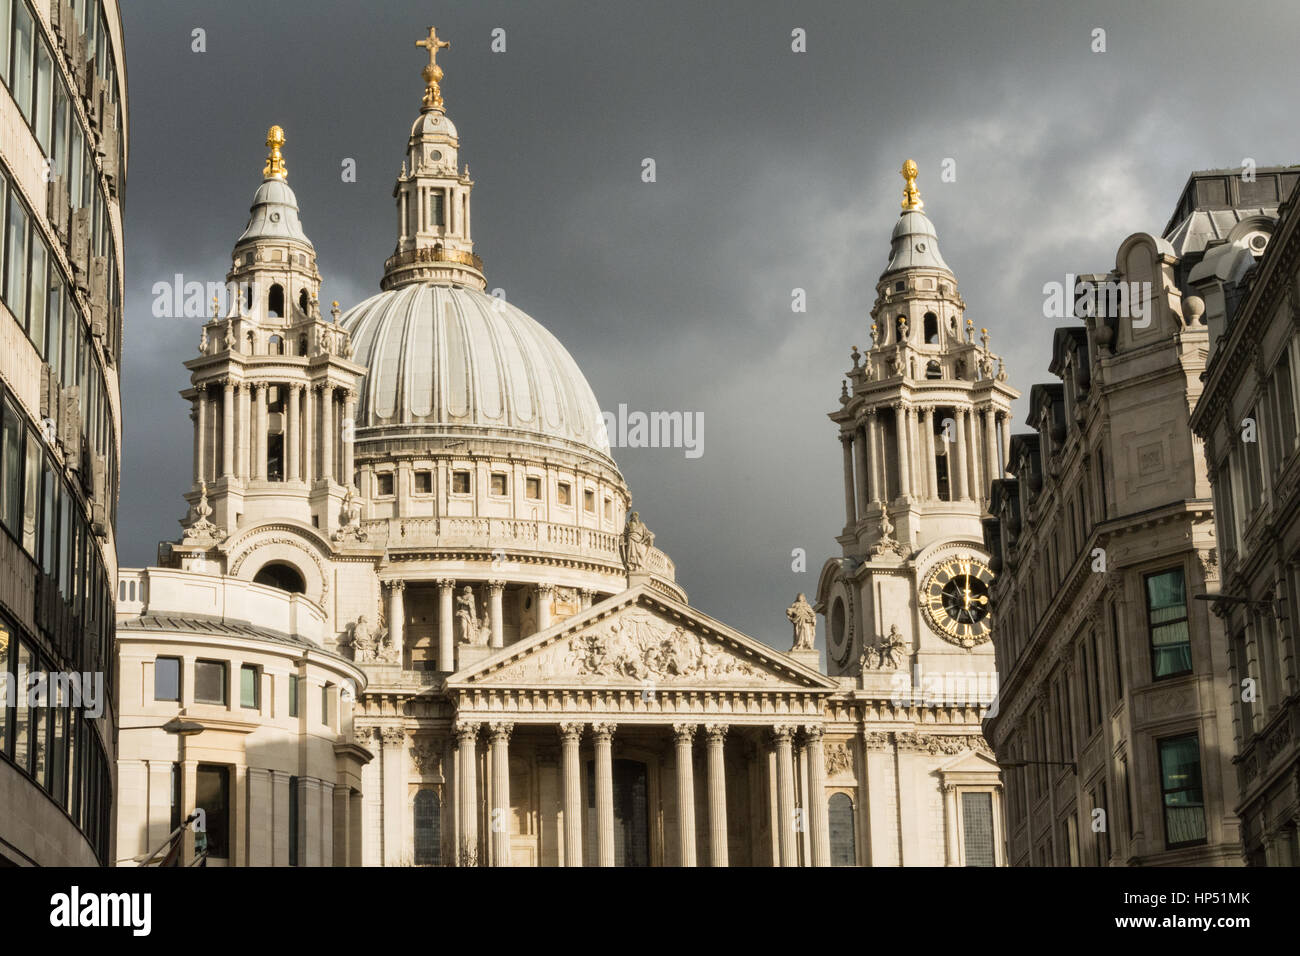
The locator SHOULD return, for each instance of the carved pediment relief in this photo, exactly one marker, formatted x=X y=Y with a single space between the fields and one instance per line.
x=643 y=643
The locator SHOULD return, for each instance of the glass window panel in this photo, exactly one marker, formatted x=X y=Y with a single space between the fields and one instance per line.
x=16 y=259
x=212 y=793
x=49 y=520
x=840 y=820
x=54 y=321
x=428 y=829
x=58 y=751
x=22 y=715
x=248 y=686
x=977 y=828
x=7 y=678
x=293 y=695
x=11 y=470
x=20 y=69
x=65 y=540
x=210 y=682
x=6 y=22
x=32 y=493
x=37 y=300
x=167 y=678
x=1180 y=778
x=44 y=96
x=59 y=140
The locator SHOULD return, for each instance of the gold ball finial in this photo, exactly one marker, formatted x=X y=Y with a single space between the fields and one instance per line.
x=911 y=195
x=275 y=168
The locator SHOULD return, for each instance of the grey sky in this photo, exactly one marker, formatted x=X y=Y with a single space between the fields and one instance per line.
x=775 y=170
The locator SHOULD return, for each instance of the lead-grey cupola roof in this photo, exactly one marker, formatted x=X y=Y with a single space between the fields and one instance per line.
x=274 y=214
x=914 y=244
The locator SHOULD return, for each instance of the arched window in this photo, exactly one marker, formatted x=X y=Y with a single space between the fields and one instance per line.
x=251 y=345
x=840 y=818
x=302 y=345
x=283 y=576
x=931 y=329
x=428 y=829
x=933 y=369
x=275 y=345
x=303 y=301
x=275 y=301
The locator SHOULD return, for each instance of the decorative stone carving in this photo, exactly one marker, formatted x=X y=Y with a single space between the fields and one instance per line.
x=717 y=733
x=199 y=529
x=877 y=741
x=427 y=760
x=350 y=516
x=393 y=736
x=1209 y=560
x=642 y=647
x=467 y=623
x=936 y=744
x=637 y=542
x=887 y=542
x=501 y=729
x=362 y=640
x=887 y=653
x=804 y=619
x=603 y=732
x=839 y=759
x=571 y=730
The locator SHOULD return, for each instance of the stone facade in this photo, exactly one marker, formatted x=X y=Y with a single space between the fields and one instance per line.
x=63 y=151
x=1114 y=723
x=1246 y=417
x=427 y=476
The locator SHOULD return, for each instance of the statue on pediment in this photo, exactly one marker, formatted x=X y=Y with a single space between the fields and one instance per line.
x=804 y=619
x=638 y=541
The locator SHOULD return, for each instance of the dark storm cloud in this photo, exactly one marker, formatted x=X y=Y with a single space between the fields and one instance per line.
x=775 y=171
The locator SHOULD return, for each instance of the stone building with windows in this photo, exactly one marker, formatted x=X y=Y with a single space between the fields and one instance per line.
x=1246 y=416
x=1114 y=725
x=426 y=482
x=63 y=150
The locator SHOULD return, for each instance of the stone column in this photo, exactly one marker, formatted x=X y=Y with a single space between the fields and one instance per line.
x=244 y=444
x=544 y=592
x=818 y=814
x=876 y=461
x=1006 y=440
x=904 y=472
x=467 y=780
x=586 y=596
x=990 y=450
x=309 y=473
x=346 y=432
x=959 y=493
x=865 y=460
x=783 y=739
x=973 y=455
x=494 y=609
x=931 y=465
x=570 y=738
x=950 y=822
x=326 y=438
x=850 y=506
x=228 y=429
x=394 y=770
x=397 y=614
x=259 y=431
x=446 y=626
x=500 y=820
x=603 y=737
x=684 y=734
x=717 y=794
x=201 y=436
x=292 y=434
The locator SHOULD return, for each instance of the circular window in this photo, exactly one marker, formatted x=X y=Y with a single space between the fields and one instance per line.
x=275 y=217
x=436 y=155
x=837 y=621
x=1258 y=242
x=920 y=247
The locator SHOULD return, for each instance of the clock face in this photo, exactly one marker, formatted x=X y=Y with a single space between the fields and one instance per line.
x=956 y=602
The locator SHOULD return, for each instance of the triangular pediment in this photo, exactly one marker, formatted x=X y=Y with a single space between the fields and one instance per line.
x=972 y=761
x=638 y=638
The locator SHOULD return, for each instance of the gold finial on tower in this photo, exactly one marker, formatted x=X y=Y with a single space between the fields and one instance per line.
x=432 y=73
x=911 y=195
x=275 y=168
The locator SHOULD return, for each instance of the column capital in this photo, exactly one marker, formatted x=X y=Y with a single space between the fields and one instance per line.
x=467 y=731
x=396 y=584
x=814 y=732
x=393 y=736
x=685 y=733
x=587 y=593
x=501 y=730
x=603 y=732
x=846 y=438
x=783 y=733
x=717 y=733
x=571 y=731
x=545 y=587
x=446 y=582
x=496 y=585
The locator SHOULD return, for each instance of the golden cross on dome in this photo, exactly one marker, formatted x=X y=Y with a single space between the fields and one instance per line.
x=432 y=72
x=911 y=195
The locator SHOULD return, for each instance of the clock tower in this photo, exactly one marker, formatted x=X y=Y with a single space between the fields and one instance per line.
x=924 y=420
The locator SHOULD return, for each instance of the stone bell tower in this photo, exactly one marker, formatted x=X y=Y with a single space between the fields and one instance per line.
x=924 y=419
x=273 y=387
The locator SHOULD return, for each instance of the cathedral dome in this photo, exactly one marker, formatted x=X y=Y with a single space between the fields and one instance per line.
x=447 y=357
x=274 y=214
x=914 y=244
